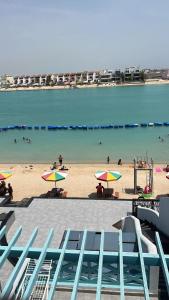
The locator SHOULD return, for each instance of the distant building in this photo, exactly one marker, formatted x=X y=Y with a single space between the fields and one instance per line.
x=118 y=76
x=106 y=76
x=167 y=75
x=30 y=80
x=76 y=78
x=156 y=74
x=72 y=78
x=132 y=74
x=6 y=81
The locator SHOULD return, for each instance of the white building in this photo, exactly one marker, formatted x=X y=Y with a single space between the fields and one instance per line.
x=6 y=80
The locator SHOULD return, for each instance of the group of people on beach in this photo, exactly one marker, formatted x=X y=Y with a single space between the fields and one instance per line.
x=24 y=139
x=142 y=164
x=55 y=165
x=119 y=161
x=6 y=189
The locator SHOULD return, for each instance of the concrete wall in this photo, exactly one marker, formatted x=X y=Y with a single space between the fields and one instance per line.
x=161 y=219
x=164 y=215
x=8 y=220
x=132 y=224
x=148 y=214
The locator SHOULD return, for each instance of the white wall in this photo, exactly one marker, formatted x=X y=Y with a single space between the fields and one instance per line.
x=161 y=219
x=148 y=214
x=132 y=224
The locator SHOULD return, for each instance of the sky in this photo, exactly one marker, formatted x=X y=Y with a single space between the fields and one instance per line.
x=46 y=36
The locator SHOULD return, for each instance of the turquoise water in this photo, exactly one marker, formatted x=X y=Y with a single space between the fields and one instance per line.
x=117 y=105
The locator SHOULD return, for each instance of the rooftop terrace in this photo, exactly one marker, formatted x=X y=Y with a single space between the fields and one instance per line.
x=61 y=214
x=48 y=269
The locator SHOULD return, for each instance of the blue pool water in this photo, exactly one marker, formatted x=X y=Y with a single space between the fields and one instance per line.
x=117 y=105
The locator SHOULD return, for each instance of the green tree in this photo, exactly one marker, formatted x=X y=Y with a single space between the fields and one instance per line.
x=48 y=79
x=142 y=76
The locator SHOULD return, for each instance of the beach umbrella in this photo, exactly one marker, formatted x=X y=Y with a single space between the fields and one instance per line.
x=54 y=176
x=5 y=174
x=108 y=176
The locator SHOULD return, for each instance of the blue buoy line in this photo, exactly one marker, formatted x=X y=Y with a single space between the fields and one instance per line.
x=83 y=127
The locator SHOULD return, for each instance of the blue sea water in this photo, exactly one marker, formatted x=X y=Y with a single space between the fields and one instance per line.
x=116 y=105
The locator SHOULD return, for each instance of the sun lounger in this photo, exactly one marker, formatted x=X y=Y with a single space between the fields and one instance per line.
x=107 y=193
x=55 y=193
x=139 y=189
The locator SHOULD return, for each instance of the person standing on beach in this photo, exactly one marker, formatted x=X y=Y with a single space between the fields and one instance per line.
x=100 y=190
x=119 y=162
x=60 y=159
x=10 y=191
x=108 y=159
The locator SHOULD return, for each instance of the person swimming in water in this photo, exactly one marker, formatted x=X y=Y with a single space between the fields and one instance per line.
x=100 y=143
x=161 y=139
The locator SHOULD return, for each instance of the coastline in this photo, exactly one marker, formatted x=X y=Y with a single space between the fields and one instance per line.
x=80 y=182
x=66 y=87
x=74 y=163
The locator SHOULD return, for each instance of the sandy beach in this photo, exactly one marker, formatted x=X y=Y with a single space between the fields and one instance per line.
x=80 y=182
x=82 y=86
x=63 y=87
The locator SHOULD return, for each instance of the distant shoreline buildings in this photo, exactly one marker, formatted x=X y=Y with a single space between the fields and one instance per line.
x=129 y=75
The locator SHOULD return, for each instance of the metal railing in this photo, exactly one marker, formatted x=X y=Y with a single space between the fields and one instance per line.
x=153 y=204
x=120 y=271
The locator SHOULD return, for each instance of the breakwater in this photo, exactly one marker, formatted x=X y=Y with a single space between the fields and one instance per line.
x=83 y=127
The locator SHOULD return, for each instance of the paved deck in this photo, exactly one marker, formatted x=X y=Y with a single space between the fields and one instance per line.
x=62 y=214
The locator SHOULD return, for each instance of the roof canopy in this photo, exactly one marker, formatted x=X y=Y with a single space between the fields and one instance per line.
x=39 y=272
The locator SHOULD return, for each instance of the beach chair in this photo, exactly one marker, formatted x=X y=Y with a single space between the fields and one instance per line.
x=107 y=193
x=139 y=190
x=116 y=195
